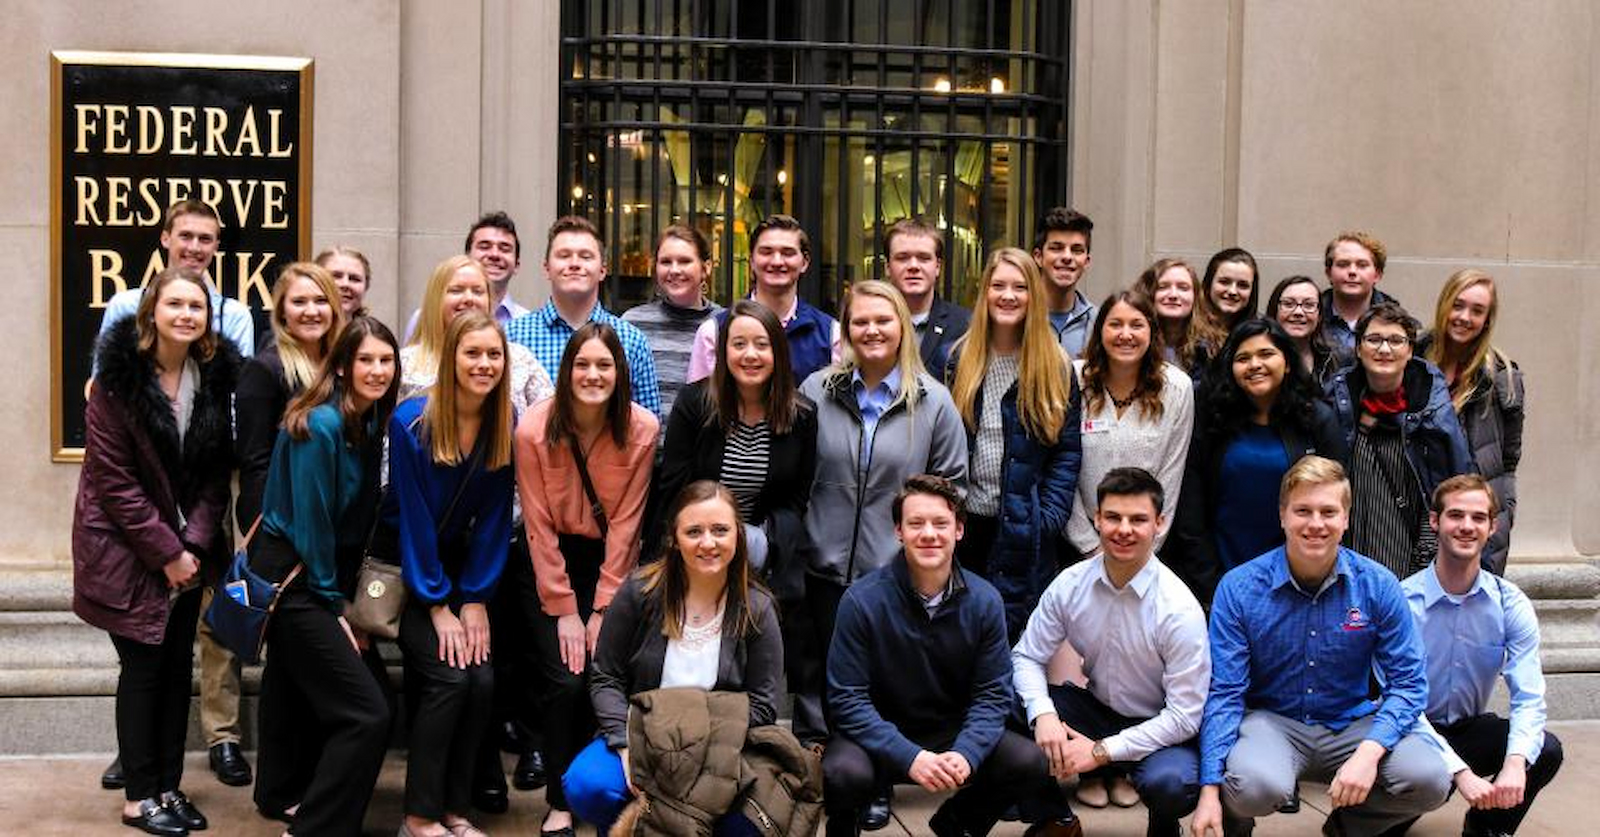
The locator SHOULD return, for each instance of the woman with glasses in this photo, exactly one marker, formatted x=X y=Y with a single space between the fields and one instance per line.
x=1486 y=388
x=1395 y=413
x=1296 y=305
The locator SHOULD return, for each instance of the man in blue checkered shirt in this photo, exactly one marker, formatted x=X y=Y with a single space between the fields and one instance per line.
x=575 y=266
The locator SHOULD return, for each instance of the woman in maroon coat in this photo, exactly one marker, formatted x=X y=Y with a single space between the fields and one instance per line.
x=152 y=504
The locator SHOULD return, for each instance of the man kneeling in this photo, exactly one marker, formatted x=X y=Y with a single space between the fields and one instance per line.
x=1295 y=637
x=919 y=679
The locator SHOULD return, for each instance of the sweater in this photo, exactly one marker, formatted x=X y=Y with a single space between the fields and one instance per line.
x=901 y=681
x=670 y=330
x=554 y=502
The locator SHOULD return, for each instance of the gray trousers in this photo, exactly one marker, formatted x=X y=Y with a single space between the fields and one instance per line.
x=1273 y=753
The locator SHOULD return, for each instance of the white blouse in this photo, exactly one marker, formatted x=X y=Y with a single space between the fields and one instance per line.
x=691 y=660
x=530 y=383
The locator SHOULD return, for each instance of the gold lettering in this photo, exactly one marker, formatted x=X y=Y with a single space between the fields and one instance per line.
x=241 y=203
x=87 y=122
x=117 y=189
x=216 y=126
x=183 y=131
x=248 y=134
x=152 y=129
x=104 y=265
x=153 y=268
x=272 y=210
x=178 y=189
x=274 y=115
x=117 y=130
x=252 y=280
x=211 y=192
x=88 y=194
x=149 y=190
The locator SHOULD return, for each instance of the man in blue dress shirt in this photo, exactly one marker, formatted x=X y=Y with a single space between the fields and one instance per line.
x=1476 y=628
x=1296 y=635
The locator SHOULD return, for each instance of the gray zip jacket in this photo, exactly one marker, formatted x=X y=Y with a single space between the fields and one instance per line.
x=849 y=520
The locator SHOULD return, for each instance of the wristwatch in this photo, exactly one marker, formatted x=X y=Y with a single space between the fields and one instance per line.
x=1099 y=753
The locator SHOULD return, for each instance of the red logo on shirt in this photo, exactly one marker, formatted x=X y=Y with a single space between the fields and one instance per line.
x=1355 y=620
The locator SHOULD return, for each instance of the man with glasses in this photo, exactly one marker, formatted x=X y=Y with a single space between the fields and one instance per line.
x=1403 y=437
x=1354 y=264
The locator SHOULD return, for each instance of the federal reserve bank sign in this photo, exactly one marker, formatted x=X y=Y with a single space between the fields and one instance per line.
x=132 y=133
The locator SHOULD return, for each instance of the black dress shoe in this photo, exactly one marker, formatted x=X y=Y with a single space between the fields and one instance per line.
x=491 y=800
x=112 y=778
x=227 y=761
x=944 y=824
x=179 y=804
x=154 y=818
x=876 y=815
x=1068 y=826
x=529 y=773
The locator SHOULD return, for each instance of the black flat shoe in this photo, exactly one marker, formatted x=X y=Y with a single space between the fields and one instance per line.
x=876 y=815
x=529 y=773
x=227 y=761
x=155 y=819
x=491 y=800
x=112 y=778
x=179 y=804
x=568 y=831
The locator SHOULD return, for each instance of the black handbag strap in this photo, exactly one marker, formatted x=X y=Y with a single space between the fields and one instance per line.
x=598 y=510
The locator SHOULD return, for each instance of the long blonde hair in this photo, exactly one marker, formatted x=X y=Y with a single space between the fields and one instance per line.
x=1042 y=386
x=439 y=425
x=909 y=361
x=298 y=367
x=1472 y=359
x=430 y=335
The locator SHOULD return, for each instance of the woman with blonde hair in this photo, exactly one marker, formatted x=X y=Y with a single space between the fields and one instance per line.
x=306 y=321
x=1486 y=389
x=1014 y=389
x=1188 y=336
x=880 y=419
x=459 y=284
x=450 y=475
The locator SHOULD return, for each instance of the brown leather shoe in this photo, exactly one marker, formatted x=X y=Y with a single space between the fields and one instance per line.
x=1068 y=827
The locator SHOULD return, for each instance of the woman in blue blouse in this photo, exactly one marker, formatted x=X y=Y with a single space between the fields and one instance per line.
x=450 y=475
x=324 y=721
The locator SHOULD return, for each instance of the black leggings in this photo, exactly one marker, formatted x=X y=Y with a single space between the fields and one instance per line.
x=153 y=689
x=568 y=715
x=453 y=707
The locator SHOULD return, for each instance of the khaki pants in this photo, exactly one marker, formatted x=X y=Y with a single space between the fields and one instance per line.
x=219 y=685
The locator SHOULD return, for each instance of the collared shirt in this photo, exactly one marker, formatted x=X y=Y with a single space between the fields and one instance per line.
x=230 y=318
x=546 y=335
x=1473 y=639
x=1072 y=325
x=873 y=404
x=504 y=313
x=1144 y=651
x=1309 y=656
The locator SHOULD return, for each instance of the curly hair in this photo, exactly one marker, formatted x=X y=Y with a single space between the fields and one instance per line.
x=1226 y=410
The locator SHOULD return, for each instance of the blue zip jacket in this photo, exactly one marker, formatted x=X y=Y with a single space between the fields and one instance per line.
x=901 y=681
x=1435 y=446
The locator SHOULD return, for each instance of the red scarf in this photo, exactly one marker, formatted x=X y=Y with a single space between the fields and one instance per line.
x=1387 y=404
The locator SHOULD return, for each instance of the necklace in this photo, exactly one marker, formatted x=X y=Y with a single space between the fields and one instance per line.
x=1122 y=403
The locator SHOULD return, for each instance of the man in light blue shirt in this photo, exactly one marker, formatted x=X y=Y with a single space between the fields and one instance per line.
x=1296 y=635
x=1477 y=628
x=190 y=235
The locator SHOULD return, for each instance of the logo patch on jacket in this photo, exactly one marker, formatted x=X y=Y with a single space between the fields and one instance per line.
x=1355 y=620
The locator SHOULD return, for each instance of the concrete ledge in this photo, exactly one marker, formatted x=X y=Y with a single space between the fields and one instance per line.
x=1565 y=580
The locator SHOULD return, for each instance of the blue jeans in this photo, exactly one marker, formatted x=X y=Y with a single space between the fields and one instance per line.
x=597 y=790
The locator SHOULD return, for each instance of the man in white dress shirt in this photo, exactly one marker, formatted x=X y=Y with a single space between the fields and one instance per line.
x=1142 y=636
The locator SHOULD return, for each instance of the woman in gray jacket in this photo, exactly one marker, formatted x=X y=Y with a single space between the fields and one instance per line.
x=1486 y=389
x=880 y=418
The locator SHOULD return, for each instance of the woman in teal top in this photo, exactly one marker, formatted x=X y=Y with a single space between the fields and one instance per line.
x=321 y=706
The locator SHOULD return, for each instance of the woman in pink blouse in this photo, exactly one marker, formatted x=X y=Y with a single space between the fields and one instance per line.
x=583 y=469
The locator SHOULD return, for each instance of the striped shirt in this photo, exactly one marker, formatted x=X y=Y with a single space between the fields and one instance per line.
x=745 y=455
x=989 y=443
x=1387 y=524
x=670 y=330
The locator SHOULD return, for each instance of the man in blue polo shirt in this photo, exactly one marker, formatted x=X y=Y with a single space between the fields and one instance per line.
x=1477 y=628
x=574 y=263
x=1296 y=635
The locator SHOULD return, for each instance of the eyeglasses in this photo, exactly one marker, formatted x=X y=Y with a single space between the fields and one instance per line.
x=1395 y=342
x=1289 y=306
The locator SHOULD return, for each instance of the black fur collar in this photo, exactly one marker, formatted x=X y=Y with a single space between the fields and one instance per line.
x=131 y=378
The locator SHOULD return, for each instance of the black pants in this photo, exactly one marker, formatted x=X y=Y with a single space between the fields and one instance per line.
x=153 y=702
x=851 y=777
x=568 y=716
x=977 y=543
x=324 y=720
x=1481 y=742
x=518 y=684
x=808 y=675
x=452 y=713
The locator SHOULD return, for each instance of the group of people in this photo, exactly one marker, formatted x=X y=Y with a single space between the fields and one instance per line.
x=934 y=527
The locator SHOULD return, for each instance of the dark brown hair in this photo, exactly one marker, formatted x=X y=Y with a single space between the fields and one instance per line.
x=570 y=223
x=332 y=385
x=780 y=222
x=145 y=320
x=722 y=392
x=1097 y=365
x=563 y=423
x=931 y=485
x=668 y=581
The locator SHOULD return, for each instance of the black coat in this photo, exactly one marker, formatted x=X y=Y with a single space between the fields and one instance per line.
x=947 y=323
x=693 y=451
x=261 y=397
x=143 y=496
